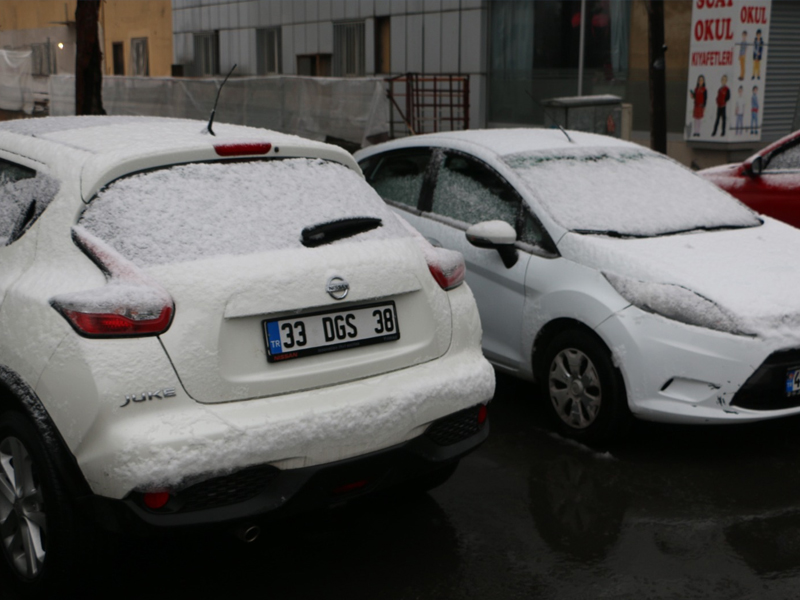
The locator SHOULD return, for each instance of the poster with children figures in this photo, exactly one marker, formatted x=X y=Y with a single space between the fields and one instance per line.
x=727 y=70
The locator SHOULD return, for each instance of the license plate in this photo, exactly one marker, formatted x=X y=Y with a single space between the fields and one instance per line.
x=793 y=381
x=307 y=335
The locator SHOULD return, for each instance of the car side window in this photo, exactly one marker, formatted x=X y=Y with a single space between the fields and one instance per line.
x=532 y=231
x=398 y=177
x=786 y=160
x=24 y=194
x=467 y=190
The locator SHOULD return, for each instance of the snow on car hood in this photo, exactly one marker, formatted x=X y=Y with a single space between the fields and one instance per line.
x=751 y=274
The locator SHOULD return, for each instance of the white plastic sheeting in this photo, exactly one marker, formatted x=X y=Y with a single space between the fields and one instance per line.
x=352 y=109
x=15 y=80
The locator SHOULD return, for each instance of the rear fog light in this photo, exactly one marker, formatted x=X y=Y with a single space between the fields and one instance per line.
x=483 y=412
x=156 y=500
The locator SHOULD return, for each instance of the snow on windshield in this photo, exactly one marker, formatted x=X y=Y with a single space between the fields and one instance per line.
x=627 y=192
x=195 y=211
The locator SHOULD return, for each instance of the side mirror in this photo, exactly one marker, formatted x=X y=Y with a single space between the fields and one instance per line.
x=756 y=166
x=498 y=235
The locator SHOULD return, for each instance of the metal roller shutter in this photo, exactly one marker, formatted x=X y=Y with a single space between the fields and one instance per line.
x=783 y=72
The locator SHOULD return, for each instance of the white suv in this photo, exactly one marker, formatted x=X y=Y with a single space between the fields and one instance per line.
x=200 y=329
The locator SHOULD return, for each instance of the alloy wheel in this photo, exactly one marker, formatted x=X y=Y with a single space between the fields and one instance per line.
x=575 y=389
x=23 y=523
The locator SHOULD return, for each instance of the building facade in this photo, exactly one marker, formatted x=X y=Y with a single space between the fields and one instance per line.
x=337 y=38
x=518 y=53
x=136 y=35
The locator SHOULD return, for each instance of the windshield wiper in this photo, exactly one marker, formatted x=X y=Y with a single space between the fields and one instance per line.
x=712 y=228
x=330 y=231
x=609 y=233
x=619 y=234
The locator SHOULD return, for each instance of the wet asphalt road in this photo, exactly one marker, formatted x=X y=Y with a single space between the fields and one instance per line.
x=672 y=512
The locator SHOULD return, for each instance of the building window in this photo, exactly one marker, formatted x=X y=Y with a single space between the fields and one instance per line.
x=140 y=60
x=118 y=52
x=206 y=53
x=382 y=45
x=43 y=59
x=268 y=47
x=314 y=65
x=348 y=49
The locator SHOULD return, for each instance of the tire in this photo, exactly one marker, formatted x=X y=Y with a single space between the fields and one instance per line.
x=584 y=390
x=40 y=536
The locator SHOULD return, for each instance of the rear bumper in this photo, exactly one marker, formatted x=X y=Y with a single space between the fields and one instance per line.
x=285 y=493
x=163 y=443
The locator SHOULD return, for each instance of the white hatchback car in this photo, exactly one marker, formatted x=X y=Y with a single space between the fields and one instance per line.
x=199 y=330
x=617 y=278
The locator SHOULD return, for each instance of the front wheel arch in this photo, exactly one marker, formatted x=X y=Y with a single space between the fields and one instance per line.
x=614 y=417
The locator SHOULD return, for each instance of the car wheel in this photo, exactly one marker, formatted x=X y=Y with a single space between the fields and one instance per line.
x=585 y=390
x=37 y=534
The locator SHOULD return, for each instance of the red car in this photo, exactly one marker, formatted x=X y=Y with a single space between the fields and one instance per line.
x=768 y=182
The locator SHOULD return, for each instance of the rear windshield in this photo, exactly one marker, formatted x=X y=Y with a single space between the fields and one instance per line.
x=203 y=210
x=627 y=193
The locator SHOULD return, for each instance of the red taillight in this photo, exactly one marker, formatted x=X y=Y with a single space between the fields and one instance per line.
x=448 y=270
x=156 y=500
x=241 y=149
x=482 y=414
x=130 y=304
x=113 y=325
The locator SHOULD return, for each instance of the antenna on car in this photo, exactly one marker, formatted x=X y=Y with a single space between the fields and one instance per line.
x=214 y=110
x=564 y=131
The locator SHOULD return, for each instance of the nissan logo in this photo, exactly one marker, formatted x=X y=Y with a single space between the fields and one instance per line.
x=337 y=288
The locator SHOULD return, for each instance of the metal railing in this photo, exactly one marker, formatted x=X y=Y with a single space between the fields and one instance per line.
x=428 y=103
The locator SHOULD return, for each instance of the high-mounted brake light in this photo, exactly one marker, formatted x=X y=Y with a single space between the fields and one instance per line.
x=241 y=149
x=129 y=305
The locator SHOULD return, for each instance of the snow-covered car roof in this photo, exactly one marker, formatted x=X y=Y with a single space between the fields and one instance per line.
x=105 y=148
x=511 y=141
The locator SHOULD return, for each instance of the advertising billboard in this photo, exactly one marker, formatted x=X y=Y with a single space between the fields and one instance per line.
x=727 y=70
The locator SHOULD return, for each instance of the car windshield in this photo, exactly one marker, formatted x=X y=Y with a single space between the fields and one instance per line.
x=626 y=193
x=202 y=210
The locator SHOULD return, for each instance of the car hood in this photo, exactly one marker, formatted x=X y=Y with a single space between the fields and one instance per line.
x=729 y=169
x=751 y=274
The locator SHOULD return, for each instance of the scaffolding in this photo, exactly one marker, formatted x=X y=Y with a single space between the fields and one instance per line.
x=428 y=103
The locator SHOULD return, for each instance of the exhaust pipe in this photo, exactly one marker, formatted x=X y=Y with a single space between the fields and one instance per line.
x=248 y=533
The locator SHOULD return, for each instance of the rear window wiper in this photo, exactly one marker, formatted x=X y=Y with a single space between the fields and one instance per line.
x=330 y=231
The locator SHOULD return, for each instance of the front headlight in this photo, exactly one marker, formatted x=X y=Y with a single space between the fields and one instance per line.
x=675 y=302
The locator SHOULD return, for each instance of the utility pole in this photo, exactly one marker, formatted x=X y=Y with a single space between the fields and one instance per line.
x=658 y=76
x=88 y=60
